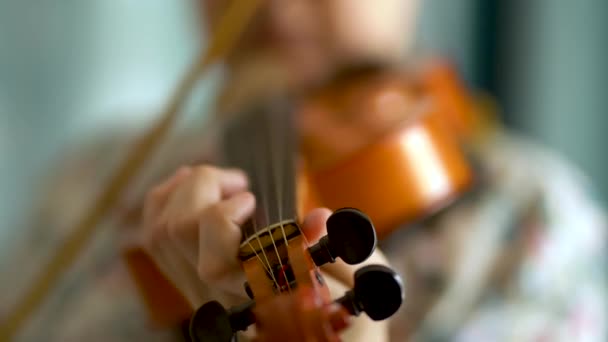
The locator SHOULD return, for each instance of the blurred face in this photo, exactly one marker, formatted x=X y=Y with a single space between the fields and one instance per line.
x=309 y=36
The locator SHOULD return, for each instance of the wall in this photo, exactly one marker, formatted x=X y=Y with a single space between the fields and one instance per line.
x=70 y=69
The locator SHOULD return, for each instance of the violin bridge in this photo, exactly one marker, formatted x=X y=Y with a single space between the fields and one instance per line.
x=267 y=251
x=265 y=240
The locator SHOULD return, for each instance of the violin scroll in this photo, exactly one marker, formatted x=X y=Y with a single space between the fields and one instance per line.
x=305 y=305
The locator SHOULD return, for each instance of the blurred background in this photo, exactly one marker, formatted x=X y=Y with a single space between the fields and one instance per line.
x=71 y=71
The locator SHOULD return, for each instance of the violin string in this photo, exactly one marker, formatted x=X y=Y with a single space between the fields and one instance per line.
x=279 y=185
x=278 y=176
x=286 y=141
x=257 y=236
x=286 y=138
x=264 y=199
x=258 y=256
x=267 y=266
x=264 y=193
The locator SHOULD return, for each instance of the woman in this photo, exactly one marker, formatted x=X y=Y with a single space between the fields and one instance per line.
x=522 y=258
x=289 y=45
x=487 y=268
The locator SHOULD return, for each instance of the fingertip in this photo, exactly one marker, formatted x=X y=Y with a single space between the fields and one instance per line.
x=314 y=223
x=239 y=207
x=237 y=173
x=246 y=198
x=316 y=216
x=233 y=181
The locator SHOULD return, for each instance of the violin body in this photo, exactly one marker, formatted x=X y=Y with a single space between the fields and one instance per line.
x=410 y=173
x=398 y=156
x=383 y=142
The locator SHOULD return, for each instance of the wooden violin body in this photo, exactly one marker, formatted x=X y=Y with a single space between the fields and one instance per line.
x=388 y=144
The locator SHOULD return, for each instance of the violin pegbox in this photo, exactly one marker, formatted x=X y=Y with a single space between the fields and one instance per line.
x=351 y=236
x=281 y=266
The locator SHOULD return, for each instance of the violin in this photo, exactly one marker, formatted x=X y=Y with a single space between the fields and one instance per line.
x=388 y=143
x=389 y=146
x=282 y=268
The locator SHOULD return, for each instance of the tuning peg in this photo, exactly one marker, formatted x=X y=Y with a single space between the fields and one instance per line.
x=351 y=236
x=378 y=292
x=213 y=323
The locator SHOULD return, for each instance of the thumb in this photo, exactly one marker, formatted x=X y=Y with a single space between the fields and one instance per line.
x=220 y=236
x=314 y=227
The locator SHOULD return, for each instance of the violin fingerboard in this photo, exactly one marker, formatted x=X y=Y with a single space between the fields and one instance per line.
x=262 y=142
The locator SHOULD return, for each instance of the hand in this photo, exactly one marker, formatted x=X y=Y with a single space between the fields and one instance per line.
x=192 y=230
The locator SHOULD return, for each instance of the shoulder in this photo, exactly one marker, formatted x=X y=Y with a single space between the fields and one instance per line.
x=538 y=219
x=564 y=230
x=569 y=210
x=511 y=155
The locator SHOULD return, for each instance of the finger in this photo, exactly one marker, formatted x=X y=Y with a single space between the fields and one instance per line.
x=238 y=208
x=218 y=183
x=220 y=236
x=314 y=225
x=158 y=196
x=218 y=223
x=232 y=181
x=314 y=228
x=165 y=188
x=205 y=187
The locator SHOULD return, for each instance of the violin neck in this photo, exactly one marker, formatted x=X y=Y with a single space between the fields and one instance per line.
x=262 y=142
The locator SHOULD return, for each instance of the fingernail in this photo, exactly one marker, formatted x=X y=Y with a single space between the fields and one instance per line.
x=245 y=197
x=244 y=205
x=237 y=172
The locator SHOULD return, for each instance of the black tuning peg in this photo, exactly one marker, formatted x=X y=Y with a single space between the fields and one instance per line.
x=378 y=292
x=213 y=323
x=351 y=236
